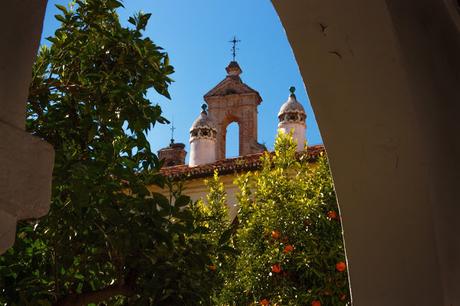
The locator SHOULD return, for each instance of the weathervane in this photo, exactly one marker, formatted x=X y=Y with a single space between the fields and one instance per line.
x=172 y=132
x=234 y=41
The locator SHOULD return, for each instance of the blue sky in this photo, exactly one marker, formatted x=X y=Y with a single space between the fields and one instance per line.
x=195 y=34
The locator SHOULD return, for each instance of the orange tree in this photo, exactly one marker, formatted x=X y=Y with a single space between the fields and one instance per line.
x=211 y=217
x=99 y=244
x=288 y=237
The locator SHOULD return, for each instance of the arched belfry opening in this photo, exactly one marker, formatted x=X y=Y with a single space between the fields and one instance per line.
x=233 y=101
x=232 y=141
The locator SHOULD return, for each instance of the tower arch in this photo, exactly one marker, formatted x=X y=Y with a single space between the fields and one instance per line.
x=232 y=141
x=233 y=101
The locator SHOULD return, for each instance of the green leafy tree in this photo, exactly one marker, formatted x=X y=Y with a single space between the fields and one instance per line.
x=212 y=217
x=106 y=237
x=289 y=235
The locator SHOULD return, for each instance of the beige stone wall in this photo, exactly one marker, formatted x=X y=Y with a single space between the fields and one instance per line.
x=196 y=189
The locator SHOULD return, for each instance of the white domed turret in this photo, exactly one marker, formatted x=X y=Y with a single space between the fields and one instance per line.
x=203 y=137
x=292 y=118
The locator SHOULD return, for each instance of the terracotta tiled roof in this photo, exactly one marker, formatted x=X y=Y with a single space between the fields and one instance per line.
x=225 y=166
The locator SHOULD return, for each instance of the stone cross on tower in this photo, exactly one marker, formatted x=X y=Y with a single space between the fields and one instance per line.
x=234 y=41
x=172 y=132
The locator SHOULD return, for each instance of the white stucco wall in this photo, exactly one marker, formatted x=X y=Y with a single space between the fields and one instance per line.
x=202 y=151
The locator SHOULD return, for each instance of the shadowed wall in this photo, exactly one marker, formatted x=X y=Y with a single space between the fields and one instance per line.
x=383 y=79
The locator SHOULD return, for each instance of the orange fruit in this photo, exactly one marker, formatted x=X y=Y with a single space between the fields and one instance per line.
x=288 y=248
x=315 y=303
x=332 y=214
x=212 y=267
x=264 y=302
x=276 y=268
x=276 y=234
x=341 y=266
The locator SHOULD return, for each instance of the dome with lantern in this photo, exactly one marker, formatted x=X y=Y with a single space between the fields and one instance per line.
x=203 y=137
x=292 y=120
x=292 y=110
x=203 y=126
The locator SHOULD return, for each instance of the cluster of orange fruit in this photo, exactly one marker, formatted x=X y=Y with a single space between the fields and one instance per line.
x=277 y=236
x=276 y=268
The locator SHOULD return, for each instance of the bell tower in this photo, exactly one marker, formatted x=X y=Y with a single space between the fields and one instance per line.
x=233 y=101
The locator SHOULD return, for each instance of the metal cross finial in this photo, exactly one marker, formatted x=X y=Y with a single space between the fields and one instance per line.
x=172 y=132
x=234 y=41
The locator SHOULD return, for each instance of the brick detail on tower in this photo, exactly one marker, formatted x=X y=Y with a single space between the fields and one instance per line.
x=173 y=155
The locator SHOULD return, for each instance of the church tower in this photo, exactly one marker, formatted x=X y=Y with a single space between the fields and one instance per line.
x=173 y=155
x=203 y=135
x=292 y=118
x=233 y=101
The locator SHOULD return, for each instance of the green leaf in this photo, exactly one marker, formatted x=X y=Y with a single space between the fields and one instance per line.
x=62 y=8
x=182 y=201
x=225 y=237
x=132 y=21
x=113 y=4
x=60 y=18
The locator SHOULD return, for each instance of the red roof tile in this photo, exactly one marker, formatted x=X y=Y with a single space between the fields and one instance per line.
x=229 y=165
